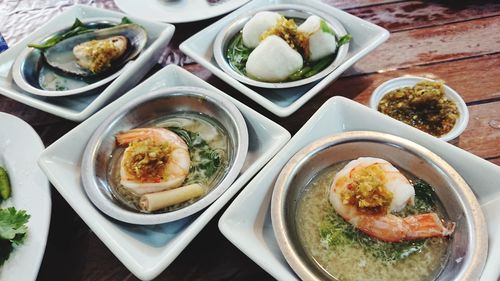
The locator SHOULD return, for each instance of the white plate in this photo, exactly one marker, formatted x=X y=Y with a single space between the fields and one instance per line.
x=284 y=102
x=20 y=147
x=247 y=222
x=78 y=108
x=147 y=250
x=177 y=11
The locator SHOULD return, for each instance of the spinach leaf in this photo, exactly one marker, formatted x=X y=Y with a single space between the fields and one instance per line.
x=237 y=53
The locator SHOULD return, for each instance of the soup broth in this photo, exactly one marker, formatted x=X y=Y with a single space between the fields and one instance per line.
x=209 y=150
x=344 y=253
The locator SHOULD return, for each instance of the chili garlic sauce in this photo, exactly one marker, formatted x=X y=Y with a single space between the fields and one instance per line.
x=209 y=150
x=345 y=253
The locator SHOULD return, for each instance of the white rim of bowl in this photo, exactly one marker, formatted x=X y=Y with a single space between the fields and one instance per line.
x=410 y=81
x=114 y=211
x=219 y=52
x=18 y=76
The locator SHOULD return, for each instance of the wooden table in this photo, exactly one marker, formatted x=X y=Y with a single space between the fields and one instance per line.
x=456 y=41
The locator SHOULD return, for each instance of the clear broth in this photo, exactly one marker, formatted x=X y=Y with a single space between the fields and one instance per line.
x=208 y=129
x=352 y=262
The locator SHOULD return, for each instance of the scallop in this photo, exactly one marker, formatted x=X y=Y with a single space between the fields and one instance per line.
x=98 y=51
x=257 y=25
x=321 y=43
x=401 y=189
x=273 y=60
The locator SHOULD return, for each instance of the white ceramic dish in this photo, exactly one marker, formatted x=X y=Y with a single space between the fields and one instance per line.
x=78 y=108
x=147 y=250
x=178 y=11
x=410 y=81
x=25 y=63
x=247 y=222
x=283 y=102
x=163 y=102
x=20 y=147
x=226 y=35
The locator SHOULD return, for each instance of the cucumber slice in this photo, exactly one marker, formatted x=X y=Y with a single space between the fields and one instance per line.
x=4 y=184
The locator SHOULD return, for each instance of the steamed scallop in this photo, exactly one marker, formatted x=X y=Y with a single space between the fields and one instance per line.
x=322 y=41
x=258 y=24
x=273 y=60
x=395 y=182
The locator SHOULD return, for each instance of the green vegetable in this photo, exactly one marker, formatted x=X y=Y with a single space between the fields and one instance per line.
x=76 y=29
x=13 y=230
x=344 y=40
x=5 y=188
x=337 y=233
x=325 y=27
x=204 y=159
x=238 y=53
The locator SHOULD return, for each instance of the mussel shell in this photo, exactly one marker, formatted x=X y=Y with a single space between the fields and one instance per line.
x=61 y=57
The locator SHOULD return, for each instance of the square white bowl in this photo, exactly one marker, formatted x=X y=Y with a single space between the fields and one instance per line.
x=80 y=107
x=147 y=250
x=247 y=221
x=283 y=102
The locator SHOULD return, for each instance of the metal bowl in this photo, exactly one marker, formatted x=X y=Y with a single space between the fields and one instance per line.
x=29 y=64
x=468 y=247
x=147 y=108
x=288 y=10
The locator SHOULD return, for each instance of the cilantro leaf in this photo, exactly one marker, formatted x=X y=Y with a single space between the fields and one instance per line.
x=13 y=225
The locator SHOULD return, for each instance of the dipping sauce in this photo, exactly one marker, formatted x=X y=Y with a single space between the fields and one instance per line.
x=344 y=253
x=424 y=106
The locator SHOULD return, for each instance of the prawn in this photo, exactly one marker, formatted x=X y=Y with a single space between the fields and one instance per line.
x=155 y=159
x=368 y=208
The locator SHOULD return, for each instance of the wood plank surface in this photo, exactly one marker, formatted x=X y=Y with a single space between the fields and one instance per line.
x=456 y=41
x=482 y=136
x=495 y=161
x=417 y=14
x=346 y=4
x=468 y=77
x=431 y=45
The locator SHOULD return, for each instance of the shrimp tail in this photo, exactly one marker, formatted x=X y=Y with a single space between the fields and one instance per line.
x=137 y=134
x=391 y=228
x=427 y=225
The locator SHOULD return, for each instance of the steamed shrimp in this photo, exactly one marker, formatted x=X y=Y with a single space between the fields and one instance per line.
x=367 y=190
x=155 y=159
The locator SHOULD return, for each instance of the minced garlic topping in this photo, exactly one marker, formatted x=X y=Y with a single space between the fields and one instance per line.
x=366 y=189
x=146 y=160
x=287 y=30
x=97 y=55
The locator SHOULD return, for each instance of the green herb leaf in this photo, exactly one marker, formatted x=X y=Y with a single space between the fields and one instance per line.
x=237 y=53
x=13 y=224
x=76 y=29
x=344 y=40
x=126 y=20
x=325 y=27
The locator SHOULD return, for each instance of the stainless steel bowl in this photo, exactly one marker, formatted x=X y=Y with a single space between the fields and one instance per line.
x=288 y=10
x=469 y=243
x=147 y=108
x=28 y=65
